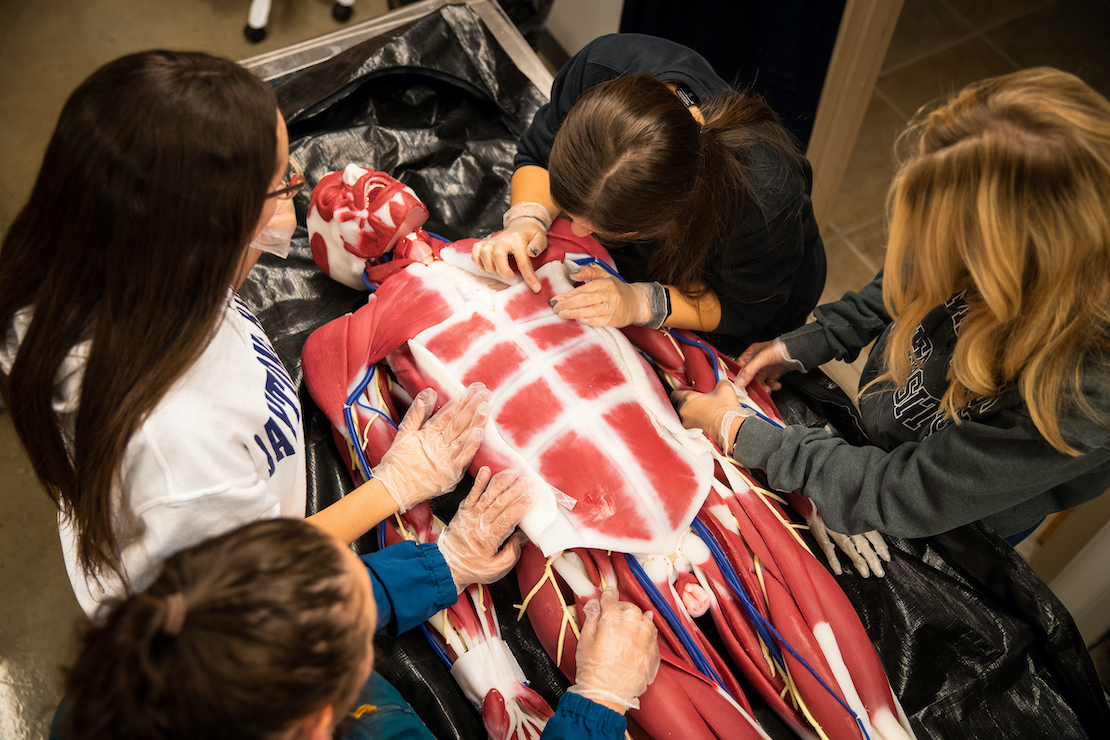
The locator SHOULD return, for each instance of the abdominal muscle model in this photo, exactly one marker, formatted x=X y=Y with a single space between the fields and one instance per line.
x=624 y=494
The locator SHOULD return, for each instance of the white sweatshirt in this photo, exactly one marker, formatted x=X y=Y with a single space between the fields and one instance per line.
x=224 y=446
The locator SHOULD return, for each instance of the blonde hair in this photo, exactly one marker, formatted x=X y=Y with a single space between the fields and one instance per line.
x=1006 y=196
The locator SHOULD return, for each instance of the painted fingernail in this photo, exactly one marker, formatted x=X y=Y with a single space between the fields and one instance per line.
x=552 y=302
x=534 y=251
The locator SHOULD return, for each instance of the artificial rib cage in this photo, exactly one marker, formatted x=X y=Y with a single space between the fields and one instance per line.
x=627 y=496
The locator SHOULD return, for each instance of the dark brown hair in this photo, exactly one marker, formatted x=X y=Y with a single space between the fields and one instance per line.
x=630 y=158
x=272 y=632
x=151 y=187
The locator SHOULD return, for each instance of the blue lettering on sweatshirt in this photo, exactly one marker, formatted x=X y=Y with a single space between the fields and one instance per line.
x=281 y=399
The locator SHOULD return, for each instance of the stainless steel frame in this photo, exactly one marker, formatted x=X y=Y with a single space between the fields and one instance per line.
x=274 y=64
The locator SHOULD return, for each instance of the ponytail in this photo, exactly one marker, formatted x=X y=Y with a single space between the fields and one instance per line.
x=239 y=637
x=632 y=160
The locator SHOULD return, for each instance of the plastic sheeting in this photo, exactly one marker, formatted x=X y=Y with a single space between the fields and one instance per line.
x=974 y=644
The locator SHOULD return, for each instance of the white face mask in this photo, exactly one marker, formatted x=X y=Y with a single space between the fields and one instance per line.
x=278 y=232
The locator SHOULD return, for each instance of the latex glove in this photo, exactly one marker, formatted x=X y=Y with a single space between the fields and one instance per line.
x=766 y=362
x=603 y=300
x=429 y=459
x=718 y=413
x=864 y=550
x=618 y=653
x=276 y=235
x=471 y=544
x=524 y=237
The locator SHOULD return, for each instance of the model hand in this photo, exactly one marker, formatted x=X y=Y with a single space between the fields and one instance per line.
x=618 y=653
x=765 y=363
x=866 y=551
x=603 y=300
x=524 y=237
x=717 y=413
x=471 y=544
x=429 y=459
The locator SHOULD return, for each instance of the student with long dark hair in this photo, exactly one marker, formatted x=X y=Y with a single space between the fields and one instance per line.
x=701 y=195
x=265 y=632
x=986 y=395
x=152 y=406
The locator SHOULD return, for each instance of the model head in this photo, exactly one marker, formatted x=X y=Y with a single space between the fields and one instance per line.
x=263 y=632
x=1004 y=195
x=153 y=183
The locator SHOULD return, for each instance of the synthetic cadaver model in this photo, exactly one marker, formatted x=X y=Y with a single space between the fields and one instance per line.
x=624 y=494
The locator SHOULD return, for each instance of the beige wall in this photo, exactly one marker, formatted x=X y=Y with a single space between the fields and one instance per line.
x=575 y=23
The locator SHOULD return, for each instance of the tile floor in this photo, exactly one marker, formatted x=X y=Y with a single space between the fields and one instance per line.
x=48 y=47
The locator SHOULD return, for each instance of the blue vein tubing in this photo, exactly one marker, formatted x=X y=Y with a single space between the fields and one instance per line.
x=595 y=262
x=762 y=626
x=664 y=609
x=352 y=428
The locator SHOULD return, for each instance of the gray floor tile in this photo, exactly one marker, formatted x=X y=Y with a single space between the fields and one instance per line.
x=937 y=76
x=1072 y=35
x=862 y=193
x=924 y=26
x=869 y=243
x=985 y=14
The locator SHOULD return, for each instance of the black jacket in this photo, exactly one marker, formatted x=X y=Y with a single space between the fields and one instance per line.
x=770 y=275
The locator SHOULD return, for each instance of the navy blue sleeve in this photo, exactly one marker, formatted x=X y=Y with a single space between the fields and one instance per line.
x=411 y=583
x=578 y=718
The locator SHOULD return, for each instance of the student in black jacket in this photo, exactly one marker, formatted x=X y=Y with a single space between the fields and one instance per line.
x=701 y=195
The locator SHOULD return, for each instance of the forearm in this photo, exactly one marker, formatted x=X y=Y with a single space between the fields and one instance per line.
x=841 y=328
x=356 y=513
x=959 y=474
x=702 y=313
x=531 y=184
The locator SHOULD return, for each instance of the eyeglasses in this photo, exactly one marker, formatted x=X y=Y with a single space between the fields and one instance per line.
x=291 y=183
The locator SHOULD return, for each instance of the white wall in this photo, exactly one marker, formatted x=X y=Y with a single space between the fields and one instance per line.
x=575 y=23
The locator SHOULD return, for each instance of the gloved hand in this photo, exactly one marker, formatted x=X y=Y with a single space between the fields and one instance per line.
x=618 y=653
x=471 y=544
x=429 y=459
x=766 y=362
x=603 y=300
x=864 y=550
x=714 y=412
x=275 y=236
x=524 y=236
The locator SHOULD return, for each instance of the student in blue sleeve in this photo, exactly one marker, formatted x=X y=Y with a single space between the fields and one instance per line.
x=987 y=394
x=700 y=194
x=265 y=632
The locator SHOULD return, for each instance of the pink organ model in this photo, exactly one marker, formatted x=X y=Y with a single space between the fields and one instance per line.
x=626 y=495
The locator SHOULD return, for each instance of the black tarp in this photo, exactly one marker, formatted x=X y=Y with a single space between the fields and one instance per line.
x=975 y=645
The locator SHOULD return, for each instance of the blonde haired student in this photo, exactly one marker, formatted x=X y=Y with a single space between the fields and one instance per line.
x=986 y=395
